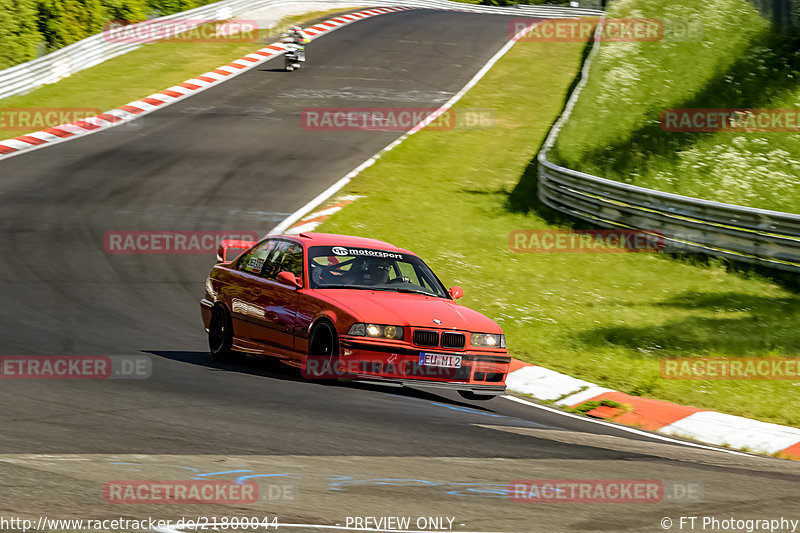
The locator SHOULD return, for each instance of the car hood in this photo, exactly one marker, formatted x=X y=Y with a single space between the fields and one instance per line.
x=403 y=309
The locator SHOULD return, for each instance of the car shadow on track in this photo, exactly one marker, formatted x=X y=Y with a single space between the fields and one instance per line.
x=272 y=368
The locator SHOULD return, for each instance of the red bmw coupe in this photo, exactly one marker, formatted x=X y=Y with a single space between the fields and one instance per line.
x=341 y=307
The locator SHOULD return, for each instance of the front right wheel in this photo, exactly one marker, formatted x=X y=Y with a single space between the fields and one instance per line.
x=323 y=353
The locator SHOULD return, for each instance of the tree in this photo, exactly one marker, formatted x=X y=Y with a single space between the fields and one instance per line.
x=19 y=35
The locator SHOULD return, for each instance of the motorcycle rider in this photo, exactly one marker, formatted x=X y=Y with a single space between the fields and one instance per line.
x=297 y=35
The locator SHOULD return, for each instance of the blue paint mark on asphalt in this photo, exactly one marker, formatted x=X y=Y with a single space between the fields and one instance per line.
x=161 y=465
x=471 y=411
x=336 y=482
x=240 y=480
x=341 y=483
x=494 y=490
x=220 y=473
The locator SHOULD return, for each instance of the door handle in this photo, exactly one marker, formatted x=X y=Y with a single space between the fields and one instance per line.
x=271 y=315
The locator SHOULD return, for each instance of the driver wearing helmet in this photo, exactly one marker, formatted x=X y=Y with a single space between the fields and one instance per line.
x=297 y=35
x=368 y=271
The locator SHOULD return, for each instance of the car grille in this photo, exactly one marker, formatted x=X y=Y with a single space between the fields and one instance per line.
x=453 y=340
x=426 y=338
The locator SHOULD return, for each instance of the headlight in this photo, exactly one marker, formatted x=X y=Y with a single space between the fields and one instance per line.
x=489 y=340
x=376 y=330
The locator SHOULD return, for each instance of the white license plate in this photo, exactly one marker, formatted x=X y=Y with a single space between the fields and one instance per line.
x=441 y=360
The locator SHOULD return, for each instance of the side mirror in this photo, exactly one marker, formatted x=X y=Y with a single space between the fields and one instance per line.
x=230 y=249
x=287 y=278
x=456 y=292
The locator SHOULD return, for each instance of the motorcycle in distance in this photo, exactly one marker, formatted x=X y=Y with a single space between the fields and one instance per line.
x=294 y=55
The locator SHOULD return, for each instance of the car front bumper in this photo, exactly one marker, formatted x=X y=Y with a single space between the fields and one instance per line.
x=480 y=371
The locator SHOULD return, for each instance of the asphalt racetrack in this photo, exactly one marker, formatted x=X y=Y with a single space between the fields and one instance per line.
x=236 y=157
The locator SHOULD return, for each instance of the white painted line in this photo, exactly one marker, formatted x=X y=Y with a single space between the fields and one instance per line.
x=324 y=213
x=302 y=228
x=628 y=429
x=336 y=187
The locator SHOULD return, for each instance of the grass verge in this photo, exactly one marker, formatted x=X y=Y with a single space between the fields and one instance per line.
x=147 y=70
x=607 y=318
x=730 y=59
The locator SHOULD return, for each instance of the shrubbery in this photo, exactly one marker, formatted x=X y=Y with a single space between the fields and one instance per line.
x=736 y=62
x=29 y=28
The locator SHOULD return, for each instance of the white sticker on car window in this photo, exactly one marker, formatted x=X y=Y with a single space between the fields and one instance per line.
x=341 y=250
x=254 y=264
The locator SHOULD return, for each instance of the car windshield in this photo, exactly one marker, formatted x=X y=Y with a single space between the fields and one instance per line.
x=345 y=267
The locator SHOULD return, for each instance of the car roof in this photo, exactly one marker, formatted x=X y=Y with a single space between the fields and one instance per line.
x=332 y=239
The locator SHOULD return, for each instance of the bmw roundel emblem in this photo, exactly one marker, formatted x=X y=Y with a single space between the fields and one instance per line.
x=437 y=321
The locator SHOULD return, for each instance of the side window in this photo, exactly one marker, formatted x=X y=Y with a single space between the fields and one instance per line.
x=253 y=261
x=417 y=276
x=424 y=281
x=273 y=262
x=292 y=260
x=407 y=271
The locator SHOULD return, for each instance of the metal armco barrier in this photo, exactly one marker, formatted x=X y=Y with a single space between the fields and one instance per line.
x=97 y=49
x=758 y=236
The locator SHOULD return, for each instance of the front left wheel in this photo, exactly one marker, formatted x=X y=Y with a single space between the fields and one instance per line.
x=220 y=335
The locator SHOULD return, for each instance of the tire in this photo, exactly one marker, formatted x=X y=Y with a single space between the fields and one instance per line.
x=323 y=352
x=220 y=335
x=469 y=395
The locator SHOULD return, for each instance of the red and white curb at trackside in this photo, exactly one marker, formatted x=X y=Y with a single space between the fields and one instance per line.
x=655 y=415
x=541 y=383
x=310 y=222
x=134 y=110
x=648 y=414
